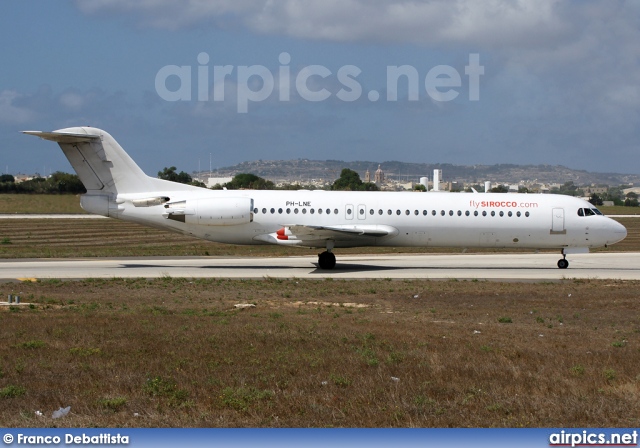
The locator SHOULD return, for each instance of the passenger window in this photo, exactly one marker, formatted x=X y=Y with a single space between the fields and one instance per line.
x=264 y=210
x=475 y=213
x=416 y=212
x=380 y=212
x=348 y=211
x=371 y=212
x=319 y=211
x=288 y=211
x=518 y=214
x=424 y=212
x=280 y=211
x=335 y=211
x=407 y=213
x=467 y=213
x=459 y=213
x=484 y=213
x=312 y=211
x=510 y=214
x=389 y=212
x=450 y=212
x=398 y=212
x=493 y=213
x=328 y=211
x=433 y=212
x=295 y=210
x=501 y=213
x=273 y=210
x=304 y=211
x=442 y=212
x=526 y=214
x=362 y=211
x=255 y=210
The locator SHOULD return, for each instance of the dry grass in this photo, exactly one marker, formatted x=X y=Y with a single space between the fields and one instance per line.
x=374 y=353
x=40 y=203
x=59 y=238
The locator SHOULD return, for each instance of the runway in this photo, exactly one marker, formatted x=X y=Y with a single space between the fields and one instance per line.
x=509 y=267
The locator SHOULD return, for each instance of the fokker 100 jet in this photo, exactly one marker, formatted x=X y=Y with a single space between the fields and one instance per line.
x=118 y=188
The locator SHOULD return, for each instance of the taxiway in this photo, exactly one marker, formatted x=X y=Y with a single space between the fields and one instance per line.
x=510 y=267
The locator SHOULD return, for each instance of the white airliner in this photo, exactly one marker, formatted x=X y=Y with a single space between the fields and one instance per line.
x=118 y=188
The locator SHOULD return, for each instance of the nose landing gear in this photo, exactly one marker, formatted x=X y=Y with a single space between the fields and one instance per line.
x=563 y=263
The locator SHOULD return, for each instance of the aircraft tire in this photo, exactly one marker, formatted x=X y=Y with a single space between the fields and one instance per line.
x=563 y=263
x=326 y=260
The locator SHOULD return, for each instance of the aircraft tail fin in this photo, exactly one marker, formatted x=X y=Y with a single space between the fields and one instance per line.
x=101 y=163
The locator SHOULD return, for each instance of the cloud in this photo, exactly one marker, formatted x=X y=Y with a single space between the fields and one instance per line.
x=71 y=106
x=423 y=22
x=541 y=34
x=560 y=77
x=12 y=113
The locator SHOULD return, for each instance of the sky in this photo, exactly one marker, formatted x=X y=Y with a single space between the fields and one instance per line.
x=200 y=84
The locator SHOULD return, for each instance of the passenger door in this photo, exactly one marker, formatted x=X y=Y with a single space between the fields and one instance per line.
x=557 y=222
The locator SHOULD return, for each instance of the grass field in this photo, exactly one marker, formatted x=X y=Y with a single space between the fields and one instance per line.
x=376 y=353
x=39 y=203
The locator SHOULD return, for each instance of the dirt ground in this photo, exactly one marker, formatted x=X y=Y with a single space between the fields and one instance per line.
x=320 y=353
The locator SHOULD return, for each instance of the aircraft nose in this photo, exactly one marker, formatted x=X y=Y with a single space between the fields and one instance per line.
x=619 y=231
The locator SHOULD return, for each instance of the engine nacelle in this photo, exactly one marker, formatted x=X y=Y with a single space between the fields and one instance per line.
x=211 y=211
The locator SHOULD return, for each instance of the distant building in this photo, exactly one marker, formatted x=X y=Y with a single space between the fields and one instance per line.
x=378 y=176
x=367 y=176
x=211 y=181
x=635 y=190
x=597 y=190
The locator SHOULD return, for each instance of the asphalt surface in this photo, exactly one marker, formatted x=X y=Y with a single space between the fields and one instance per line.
x=527 y=267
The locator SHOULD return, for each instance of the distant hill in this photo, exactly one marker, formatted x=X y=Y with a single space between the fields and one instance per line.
x=304 y=170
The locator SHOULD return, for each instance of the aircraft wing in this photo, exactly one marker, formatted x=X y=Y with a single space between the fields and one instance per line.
x=310 y=235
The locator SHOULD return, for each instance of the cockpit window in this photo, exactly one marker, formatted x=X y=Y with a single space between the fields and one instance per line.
x=588 y=212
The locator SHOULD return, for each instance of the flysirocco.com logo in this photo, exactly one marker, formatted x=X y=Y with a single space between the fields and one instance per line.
x=256 y=83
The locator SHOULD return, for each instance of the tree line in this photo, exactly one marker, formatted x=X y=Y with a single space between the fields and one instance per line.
x=57 y=183
x=349 y=180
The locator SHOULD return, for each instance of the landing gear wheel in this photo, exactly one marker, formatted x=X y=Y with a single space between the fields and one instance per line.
x=326 y=260
x=563 y=263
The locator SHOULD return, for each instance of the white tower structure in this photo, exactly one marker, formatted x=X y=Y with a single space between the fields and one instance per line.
x=437 y=176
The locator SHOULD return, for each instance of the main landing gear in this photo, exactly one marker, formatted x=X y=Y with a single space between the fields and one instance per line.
x=327 y=260
x=563 y=263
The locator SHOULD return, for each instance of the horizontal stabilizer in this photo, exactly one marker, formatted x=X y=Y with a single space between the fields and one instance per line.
x=63 y=137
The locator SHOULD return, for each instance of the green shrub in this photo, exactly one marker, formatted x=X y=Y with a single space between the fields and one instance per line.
x=12 y=391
